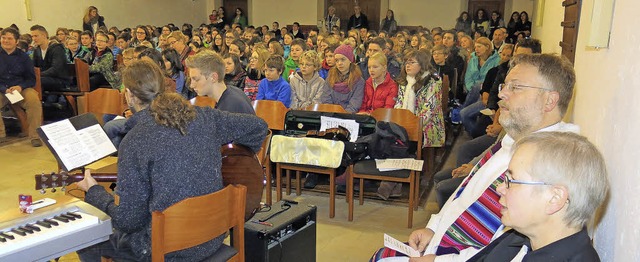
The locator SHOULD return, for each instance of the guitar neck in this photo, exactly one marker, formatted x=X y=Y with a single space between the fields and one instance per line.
x=56 y=180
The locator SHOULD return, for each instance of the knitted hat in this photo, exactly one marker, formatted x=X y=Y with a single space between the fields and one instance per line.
x=346 y=51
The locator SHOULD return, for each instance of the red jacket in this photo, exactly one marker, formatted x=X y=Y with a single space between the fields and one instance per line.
x=384 y=96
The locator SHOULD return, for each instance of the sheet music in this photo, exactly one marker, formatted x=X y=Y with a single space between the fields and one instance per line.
x=396 y=245
x=349 y=124
x=14 y=97
x=398 y=164
x=77 y=148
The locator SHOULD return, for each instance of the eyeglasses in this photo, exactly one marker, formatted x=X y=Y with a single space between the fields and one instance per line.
x=511 y=87
x=508 y=181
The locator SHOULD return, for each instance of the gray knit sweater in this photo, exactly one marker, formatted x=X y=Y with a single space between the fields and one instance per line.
x=158 y=167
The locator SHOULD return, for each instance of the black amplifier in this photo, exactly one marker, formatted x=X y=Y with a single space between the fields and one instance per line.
x=287 y=232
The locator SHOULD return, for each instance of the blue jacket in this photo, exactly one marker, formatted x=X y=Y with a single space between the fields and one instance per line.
x=475 y=74
x=278 y=90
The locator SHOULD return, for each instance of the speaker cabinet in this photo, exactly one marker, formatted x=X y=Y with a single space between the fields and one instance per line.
x=287 y=233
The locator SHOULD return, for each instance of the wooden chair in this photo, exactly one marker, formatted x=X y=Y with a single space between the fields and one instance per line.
x=204 y=101
x=105 y=101
x=263 y=157
x=326 y=108
x=196 y=220
x=272 y=112
x=20 y=113
x=119 y=62
x=366 y=169
x=79 y=70
x=331 y=108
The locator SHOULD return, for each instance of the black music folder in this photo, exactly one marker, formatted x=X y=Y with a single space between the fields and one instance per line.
x=77 y=141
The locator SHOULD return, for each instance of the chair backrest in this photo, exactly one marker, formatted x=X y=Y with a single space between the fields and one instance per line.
x=454 y=82
x=196 y=220
x=119 y=61
x=204 y=101
x=446 y=86
x=404 y=118
x=82 y=75
x=105 y=101
x=272 y=112
x=262 y=154
x=331 y=108
x=38 y=86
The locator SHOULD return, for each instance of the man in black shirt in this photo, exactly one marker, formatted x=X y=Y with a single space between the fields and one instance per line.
x=206 y=70
x=358 y=20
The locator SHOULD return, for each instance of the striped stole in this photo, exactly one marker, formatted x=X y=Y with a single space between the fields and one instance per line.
x=475 y=226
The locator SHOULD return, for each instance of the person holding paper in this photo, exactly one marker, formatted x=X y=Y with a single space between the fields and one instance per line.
x=535 y=96
x=17 y=77
x=554 y=184
x=172 y=153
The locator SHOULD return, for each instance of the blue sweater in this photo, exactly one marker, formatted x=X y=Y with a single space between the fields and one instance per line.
x=278 y=90
x=475 y=74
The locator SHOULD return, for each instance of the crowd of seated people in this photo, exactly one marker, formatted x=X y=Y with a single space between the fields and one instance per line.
x=345 y=60
x=358 y=69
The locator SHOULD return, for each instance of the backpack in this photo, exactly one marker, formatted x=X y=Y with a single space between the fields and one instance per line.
x=389 y=141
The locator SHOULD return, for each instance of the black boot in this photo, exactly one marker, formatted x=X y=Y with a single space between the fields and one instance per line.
x=311 y=181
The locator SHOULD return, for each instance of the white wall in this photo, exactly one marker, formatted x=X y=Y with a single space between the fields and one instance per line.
x=550 y=33
x=121 y=13
x=430 y=13
x=264 y=12
x=606 y=108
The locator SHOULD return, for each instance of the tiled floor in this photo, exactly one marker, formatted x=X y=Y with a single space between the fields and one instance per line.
x=337 y=239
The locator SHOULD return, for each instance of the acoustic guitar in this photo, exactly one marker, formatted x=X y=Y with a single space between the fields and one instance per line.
x=239 y=166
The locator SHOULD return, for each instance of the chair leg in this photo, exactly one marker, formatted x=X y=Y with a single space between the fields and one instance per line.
x=332 y=194
x=73 y=104
x=361 y=193
x=278 y=182
x=267 y=172
x=298 y=184
x=412 y=193
x=22 y=117
x=350 y=191
x=288 y=172
x=416 y=182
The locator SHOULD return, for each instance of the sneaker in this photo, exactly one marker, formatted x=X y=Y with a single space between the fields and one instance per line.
x=311 y=181
x=36 y=142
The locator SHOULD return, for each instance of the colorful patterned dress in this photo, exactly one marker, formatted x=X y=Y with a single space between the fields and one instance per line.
x=428 y=106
